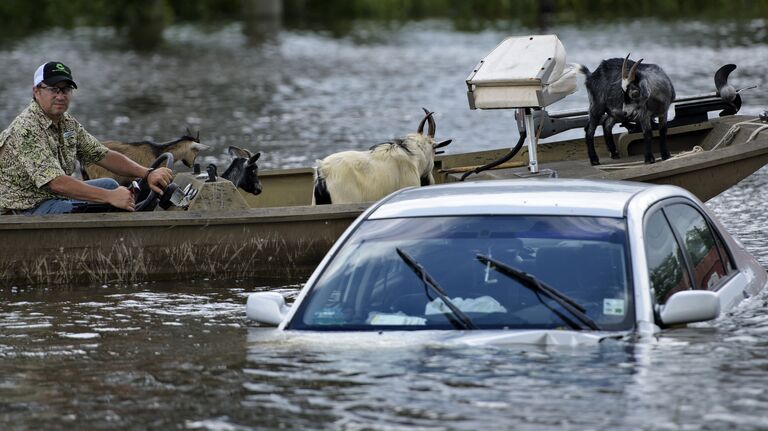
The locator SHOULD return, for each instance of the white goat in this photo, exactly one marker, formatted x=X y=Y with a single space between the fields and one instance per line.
x=365 y=176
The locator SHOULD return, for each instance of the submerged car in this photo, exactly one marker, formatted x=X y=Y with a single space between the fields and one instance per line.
x=529 y=260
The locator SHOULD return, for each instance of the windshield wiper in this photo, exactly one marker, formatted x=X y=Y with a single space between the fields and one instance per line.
x=459 y=318
x=538 y=286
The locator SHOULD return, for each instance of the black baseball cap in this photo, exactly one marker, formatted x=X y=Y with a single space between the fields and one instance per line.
x=53 y=72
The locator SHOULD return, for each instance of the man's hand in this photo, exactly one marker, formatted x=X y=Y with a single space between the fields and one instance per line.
x=121 y=198
x=159 y=179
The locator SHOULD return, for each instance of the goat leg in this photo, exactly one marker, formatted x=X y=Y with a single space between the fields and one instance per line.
x=648 y=139
x=663 y=137
x=590 y=138
x=608 y=135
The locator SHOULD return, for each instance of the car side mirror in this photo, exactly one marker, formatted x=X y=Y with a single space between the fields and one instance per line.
x=266 y=307
x=690 y=306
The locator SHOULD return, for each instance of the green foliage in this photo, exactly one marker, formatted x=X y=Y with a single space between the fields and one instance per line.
x=144 y=20
x=524 y=10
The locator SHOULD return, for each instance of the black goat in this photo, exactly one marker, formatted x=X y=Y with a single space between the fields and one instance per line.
x=243 y=171
x=634 y=96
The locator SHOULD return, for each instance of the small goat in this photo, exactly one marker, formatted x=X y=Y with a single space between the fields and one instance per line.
x=144 y=153
x=364 y=176
x=618 y=95
x=243 y=171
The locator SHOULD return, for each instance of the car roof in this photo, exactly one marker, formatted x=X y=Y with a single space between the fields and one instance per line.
x=549 y=196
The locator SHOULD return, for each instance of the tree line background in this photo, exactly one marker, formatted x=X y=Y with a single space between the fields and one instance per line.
x=146 y=19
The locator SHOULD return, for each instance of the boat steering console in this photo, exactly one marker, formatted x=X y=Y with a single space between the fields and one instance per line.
x=145 y=198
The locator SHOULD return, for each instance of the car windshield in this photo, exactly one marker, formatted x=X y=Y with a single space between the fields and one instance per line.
x=369 y=286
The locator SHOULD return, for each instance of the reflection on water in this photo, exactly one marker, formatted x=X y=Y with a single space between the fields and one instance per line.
x=742 y=210
x=182 y=355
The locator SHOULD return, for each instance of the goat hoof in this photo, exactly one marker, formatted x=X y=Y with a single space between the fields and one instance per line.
x=665 y=156
x=594 y=162
x=649 y=161
x=615 y=156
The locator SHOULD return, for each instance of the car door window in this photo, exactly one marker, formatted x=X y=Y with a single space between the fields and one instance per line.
x=700 y=243
x=666 y=268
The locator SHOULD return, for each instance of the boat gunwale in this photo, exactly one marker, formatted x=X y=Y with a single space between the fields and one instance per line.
x=183 y=218
x=710 y=158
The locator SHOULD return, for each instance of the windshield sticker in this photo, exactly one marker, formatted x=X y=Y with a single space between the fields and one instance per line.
x=329 y=316
x=613 y=307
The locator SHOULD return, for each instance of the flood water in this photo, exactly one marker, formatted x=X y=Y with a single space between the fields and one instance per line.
x=181 y=355
x=302 y=95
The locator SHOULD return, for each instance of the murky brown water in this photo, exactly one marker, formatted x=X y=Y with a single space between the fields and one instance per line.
x=182 y=355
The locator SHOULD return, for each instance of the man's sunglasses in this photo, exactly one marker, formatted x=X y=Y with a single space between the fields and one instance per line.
x=59 y=90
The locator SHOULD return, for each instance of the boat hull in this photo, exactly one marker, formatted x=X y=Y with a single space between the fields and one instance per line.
x=272 y=243
x=709 y=158
x=283 y=237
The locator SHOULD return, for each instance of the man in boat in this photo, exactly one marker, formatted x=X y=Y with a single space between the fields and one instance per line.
x=38 y=152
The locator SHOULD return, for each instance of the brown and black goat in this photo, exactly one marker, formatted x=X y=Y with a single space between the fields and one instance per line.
x=185 y=148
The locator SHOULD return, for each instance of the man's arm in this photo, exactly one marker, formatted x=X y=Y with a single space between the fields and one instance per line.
x=73 y=188
x=122 y=165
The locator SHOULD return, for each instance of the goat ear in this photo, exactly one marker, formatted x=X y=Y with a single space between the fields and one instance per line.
x=645 y=89
x=236 y=152
x=199 y=147
x=255 y=157
x=444 y=143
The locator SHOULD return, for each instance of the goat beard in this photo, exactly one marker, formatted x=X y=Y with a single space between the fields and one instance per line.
x=634 y=111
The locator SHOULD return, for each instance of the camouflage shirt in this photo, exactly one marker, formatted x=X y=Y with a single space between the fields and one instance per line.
x=34 y=151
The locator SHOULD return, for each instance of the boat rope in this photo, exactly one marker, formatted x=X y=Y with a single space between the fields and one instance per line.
x=754 y=134
x=617 y=166
x=731 y=133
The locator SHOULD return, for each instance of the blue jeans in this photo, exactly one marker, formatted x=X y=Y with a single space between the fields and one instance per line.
x=63 y=206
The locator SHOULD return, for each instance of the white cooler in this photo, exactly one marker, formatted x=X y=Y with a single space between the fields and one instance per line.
x=521 y=72
x=525 y=73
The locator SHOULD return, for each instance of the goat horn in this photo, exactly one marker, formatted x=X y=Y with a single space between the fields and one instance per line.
x=624 y=73
x=431 y=120
x=420 y=130
x=633 y=70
